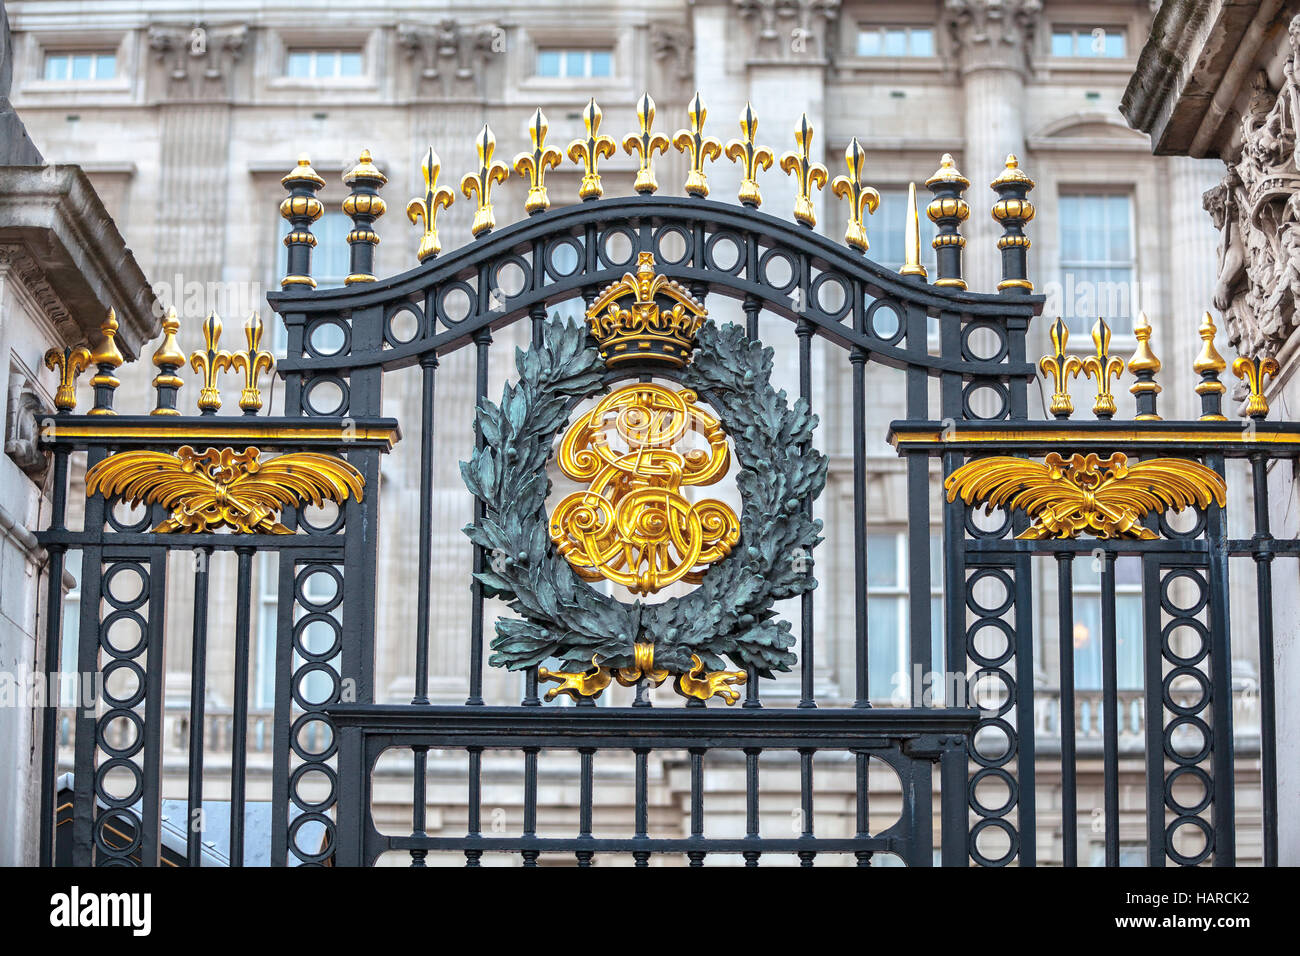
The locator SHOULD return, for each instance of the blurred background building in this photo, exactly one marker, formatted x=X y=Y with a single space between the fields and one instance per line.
x=184 y=116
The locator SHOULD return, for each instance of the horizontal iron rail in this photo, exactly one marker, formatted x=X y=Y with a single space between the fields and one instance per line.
x=1192 y=439
x=1237 y=547
x=138 y=543
x=265 y=432
x=767 y=845
x=625 y=728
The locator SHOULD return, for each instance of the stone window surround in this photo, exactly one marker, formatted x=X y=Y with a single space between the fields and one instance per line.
x=124 y=44
x=276 y=42
x=612 y=87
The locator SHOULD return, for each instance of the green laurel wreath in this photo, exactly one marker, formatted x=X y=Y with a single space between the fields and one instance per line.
x=730 y=613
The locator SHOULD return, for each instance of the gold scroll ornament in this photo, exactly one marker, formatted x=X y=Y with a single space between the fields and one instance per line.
x=222 y=488
x=631 y=525
x=1087 y=494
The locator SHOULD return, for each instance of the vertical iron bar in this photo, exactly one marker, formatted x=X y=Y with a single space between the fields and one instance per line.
x=804 y=331
x=806 y=857
x=585 y=755
x=1267 y=700
x=472 y=857
x=1110 y=709
x=696 y=857
x=482 y=341
x=428 y=369
x=198 y=693
x=419 y=796
x=530 y=802
x=751 y=803
x=1154 y=719
x=863 y=770
x=239 y=733
x=53 y=665
x=642 y=857
x=862 y=692
x=1219 y=617
x=155 y=669
x=1065 y=642
x=92 y=577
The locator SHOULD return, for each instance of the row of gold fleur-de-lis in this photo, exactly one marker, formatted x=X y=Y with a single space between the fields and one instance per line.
x=700 y=148
x=1104 y=368
x=209 y=361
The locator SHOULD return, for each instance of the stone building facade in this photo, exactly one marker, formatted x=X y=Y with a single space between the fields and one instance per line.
x=186 y=126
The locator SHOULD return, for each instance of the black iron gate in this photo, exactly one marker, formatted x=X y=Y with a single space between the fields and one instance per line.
x=305 y=485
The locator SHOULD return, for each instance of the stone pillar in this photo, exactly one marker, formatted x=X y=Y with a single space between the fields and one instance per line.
x=991 y=40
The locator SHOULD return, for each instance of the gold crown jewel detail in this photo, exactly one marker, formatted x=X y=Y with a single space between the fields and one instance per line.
x=589 y=150
x=1060 y=368
x=702 y=684
x=1102 y=367
x=479 y=184
x=106 y=359
x=751 y=157
x=1087 y=494
x=644 y=145
x=631 y=524
x=699 y=146
x=1252 y=372
x=222 y=488
x=209 y=361
x=425 y=208
x=533 y=164
x=862 y=198
x=252 y=361
x=69 y=362
x=646 y=328
x=807 y=173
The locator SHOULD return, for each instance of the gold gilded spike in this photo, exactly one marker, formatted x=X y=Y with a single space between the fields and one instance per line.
x=69 y=362
x=644 y=145
x=480 y=183
x=1252 y=372
x=642 y=668
x=702 y=684
x=106 y=359
x=1086 y=494
x=1209 y=364
x=751 y=156
x=221 y=488
x=167 y=358
x=860 y=196
x=589 y=151
x=807 y=173
x=912 y=238
x=1143 y=365
x=426 y=208
x=577 y=684
x=1060 y=368
x=700 y=147
x=208 y=362
x=533 y=164
x=1103 y=367
x=252 y=362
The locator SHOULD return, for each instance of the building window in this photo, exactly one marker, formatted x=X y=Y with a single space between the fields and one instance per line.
x=81 y=67
x=323 y=64
x=1097 y=260
x=330 y=262
x=1087 y=623
x=575 y=64
x=896 y=41
x=888 y=635
x=1089 y=42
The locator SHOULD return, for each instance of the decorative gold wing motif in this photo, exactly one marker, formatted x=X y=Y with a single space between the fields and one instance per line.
x=1086 y=494
x=222 y=488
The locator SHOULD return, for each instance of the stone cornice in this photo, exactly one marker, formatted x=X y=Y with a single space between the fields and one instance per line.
x=992 y=34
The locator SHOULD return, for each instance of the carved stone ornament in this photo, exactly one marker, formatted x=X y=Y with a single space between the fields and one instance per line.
x=1256 y=209
x=450 y=55
x=992 y=32
x=792 y=30
x=198 y=58
x=28 y=415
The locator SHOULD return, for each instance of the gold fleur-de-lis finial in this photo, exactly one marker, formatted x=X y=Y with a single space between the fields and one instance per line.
x=1252 y=372
x=106 y=359
x=1102 y=367
x=480 y=183
x=1143 y=366
x=699 y=146
x=1060 y=368
x=69 y=362
x=751 y=157
x=589 y=150
x=167 y=358
x=1209 y=363
x=425 y=208
x=806 y=171
x=860 y=196
x=208 y=362
x=644 y=145
x=533 y=164
x=252 y=361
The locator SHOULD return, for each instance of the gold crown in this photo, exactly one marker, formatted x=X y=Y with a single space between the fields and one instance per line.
x=658 y=325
